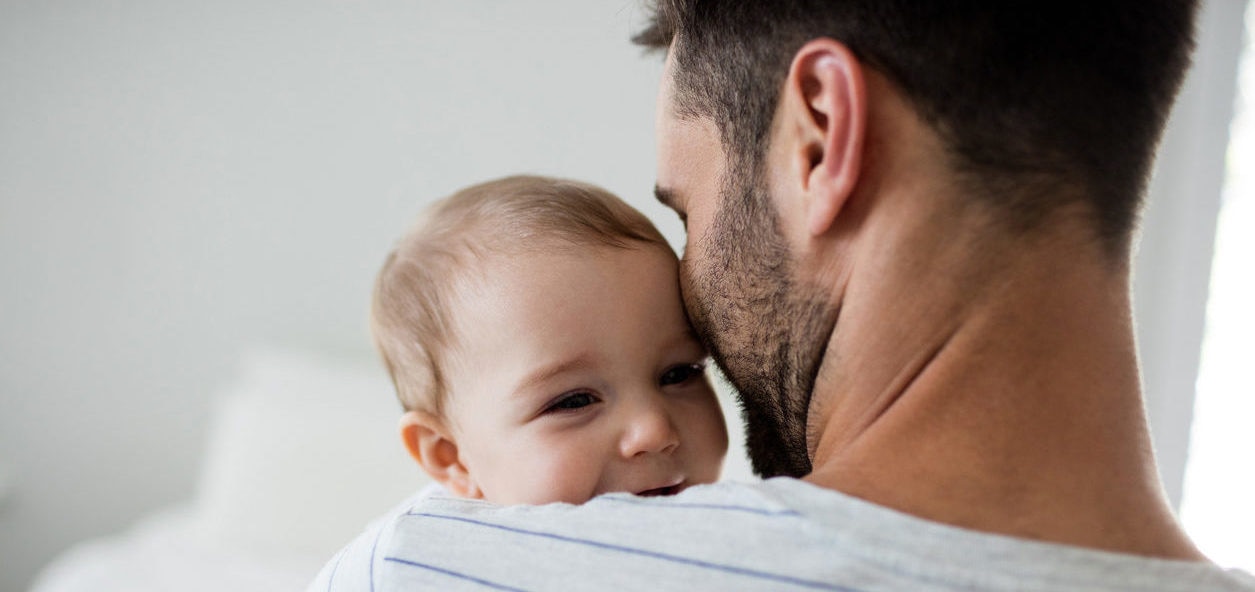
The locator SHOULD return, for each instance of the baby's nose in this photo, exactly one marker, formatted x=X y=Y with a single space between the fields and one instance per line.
x=649 y=429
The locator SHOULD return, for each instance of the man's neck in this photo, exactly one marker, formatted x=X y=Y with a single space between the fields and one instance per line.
x=1008 y=402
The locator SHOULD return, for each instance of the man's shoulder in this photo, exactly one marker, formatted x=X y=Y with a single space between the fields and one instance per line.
x=777 y=534
x=684 y=540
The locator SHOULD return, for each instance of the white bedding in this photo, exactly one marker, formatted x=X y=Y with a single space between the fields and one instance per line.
x=169 y=551
x=303 y=451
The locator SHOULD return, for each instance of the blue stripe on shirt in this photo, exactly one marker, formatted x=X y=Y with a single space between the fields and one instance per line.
x=642 y=552
x=670 y=504
x=371 y=565
x=332 y=576
x=455 y=574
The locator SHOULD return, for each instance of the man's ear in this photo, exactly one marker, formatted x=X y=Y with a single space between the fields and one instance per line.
x=824 y=107
x=431 y=444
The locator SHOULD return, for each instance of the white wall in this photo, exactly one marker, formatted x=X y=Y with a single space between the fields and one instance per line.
x=1173 y=264
x=181 y=179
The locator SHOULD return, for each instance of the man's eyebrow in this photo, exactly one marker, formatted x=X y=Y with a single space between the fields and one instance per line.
x=665 y=196
x=545 y=373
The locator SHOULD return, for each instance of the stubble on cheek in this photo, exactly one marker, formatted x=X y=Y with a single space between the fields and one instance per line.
x=765 y=332
x=723 y=301
x=696 y=304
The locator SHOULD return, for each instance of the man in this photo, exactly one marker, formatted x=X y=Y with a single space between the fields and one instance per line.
x=909 y=229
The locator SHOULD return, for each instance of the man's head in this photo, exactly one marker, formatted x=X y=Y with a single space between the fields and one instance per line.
x=1034 y=111
x=534 y=331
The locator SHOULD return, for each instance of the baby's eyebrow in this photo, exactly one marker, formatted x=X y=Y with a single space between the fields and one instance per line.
x=545 y=373
x=685 y=338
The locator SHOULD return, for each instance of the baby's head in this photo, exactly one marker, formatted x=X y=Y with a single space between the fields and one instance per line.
x=534 y=331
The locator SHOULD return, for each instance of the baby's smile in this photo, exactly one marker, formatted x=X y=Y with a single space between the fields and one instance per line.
x=661 y=491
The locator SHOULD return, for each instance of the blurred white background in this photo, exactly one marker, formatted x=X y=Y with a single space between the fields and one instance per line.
x=180 y=181
x=1219 y=488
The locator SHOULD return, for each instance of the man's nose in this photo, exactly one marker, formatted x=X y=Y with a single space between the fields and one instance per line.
x=649 y=429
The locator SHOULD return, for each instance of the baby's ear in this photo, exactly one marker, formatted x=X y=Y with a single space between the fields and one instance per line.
x=431 y=444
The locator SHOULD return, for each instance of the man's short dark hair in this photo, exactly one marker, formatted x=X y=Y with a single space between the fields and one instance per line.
x=1039 y=103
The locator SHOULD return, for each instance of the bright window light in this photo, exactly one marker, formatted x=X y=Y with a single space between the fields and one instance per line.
x=1218 y=506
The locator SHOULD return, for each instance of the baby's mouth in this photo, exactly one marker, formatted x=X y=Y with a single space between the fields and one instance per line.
x=660 y=491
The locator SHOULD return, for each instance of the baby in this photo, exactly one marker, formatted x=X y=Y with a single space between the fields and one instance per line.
x=534 y=331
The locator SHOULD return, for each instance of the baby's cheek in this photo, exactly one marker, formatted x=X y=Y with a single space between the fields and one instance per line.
x=570 y=474
x=712 y=433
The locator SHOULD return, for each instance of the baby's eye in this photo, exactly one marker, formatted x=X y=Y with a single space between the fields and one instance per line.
x=571 y=402
x=681 y=374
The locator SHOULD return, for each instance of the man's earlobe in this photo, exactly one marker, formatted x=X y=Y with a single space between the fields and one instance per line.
x=829 y=79
x=429 y=442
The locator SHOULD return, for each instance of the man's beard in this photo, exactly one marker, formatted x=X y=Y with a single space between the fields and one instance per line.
x=764 y=330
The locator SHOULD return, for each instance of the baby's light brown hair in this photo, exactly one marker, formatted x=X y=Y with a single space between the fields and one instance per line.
x=413 y=309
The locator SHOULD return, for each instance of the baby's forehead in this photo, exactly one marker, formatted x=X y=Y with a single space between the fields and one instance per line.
x=560 y=280
x=559 y=259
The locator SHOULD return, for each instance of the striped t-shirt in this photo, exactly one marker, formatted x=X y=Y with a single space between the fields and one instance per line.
x=781 y=534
